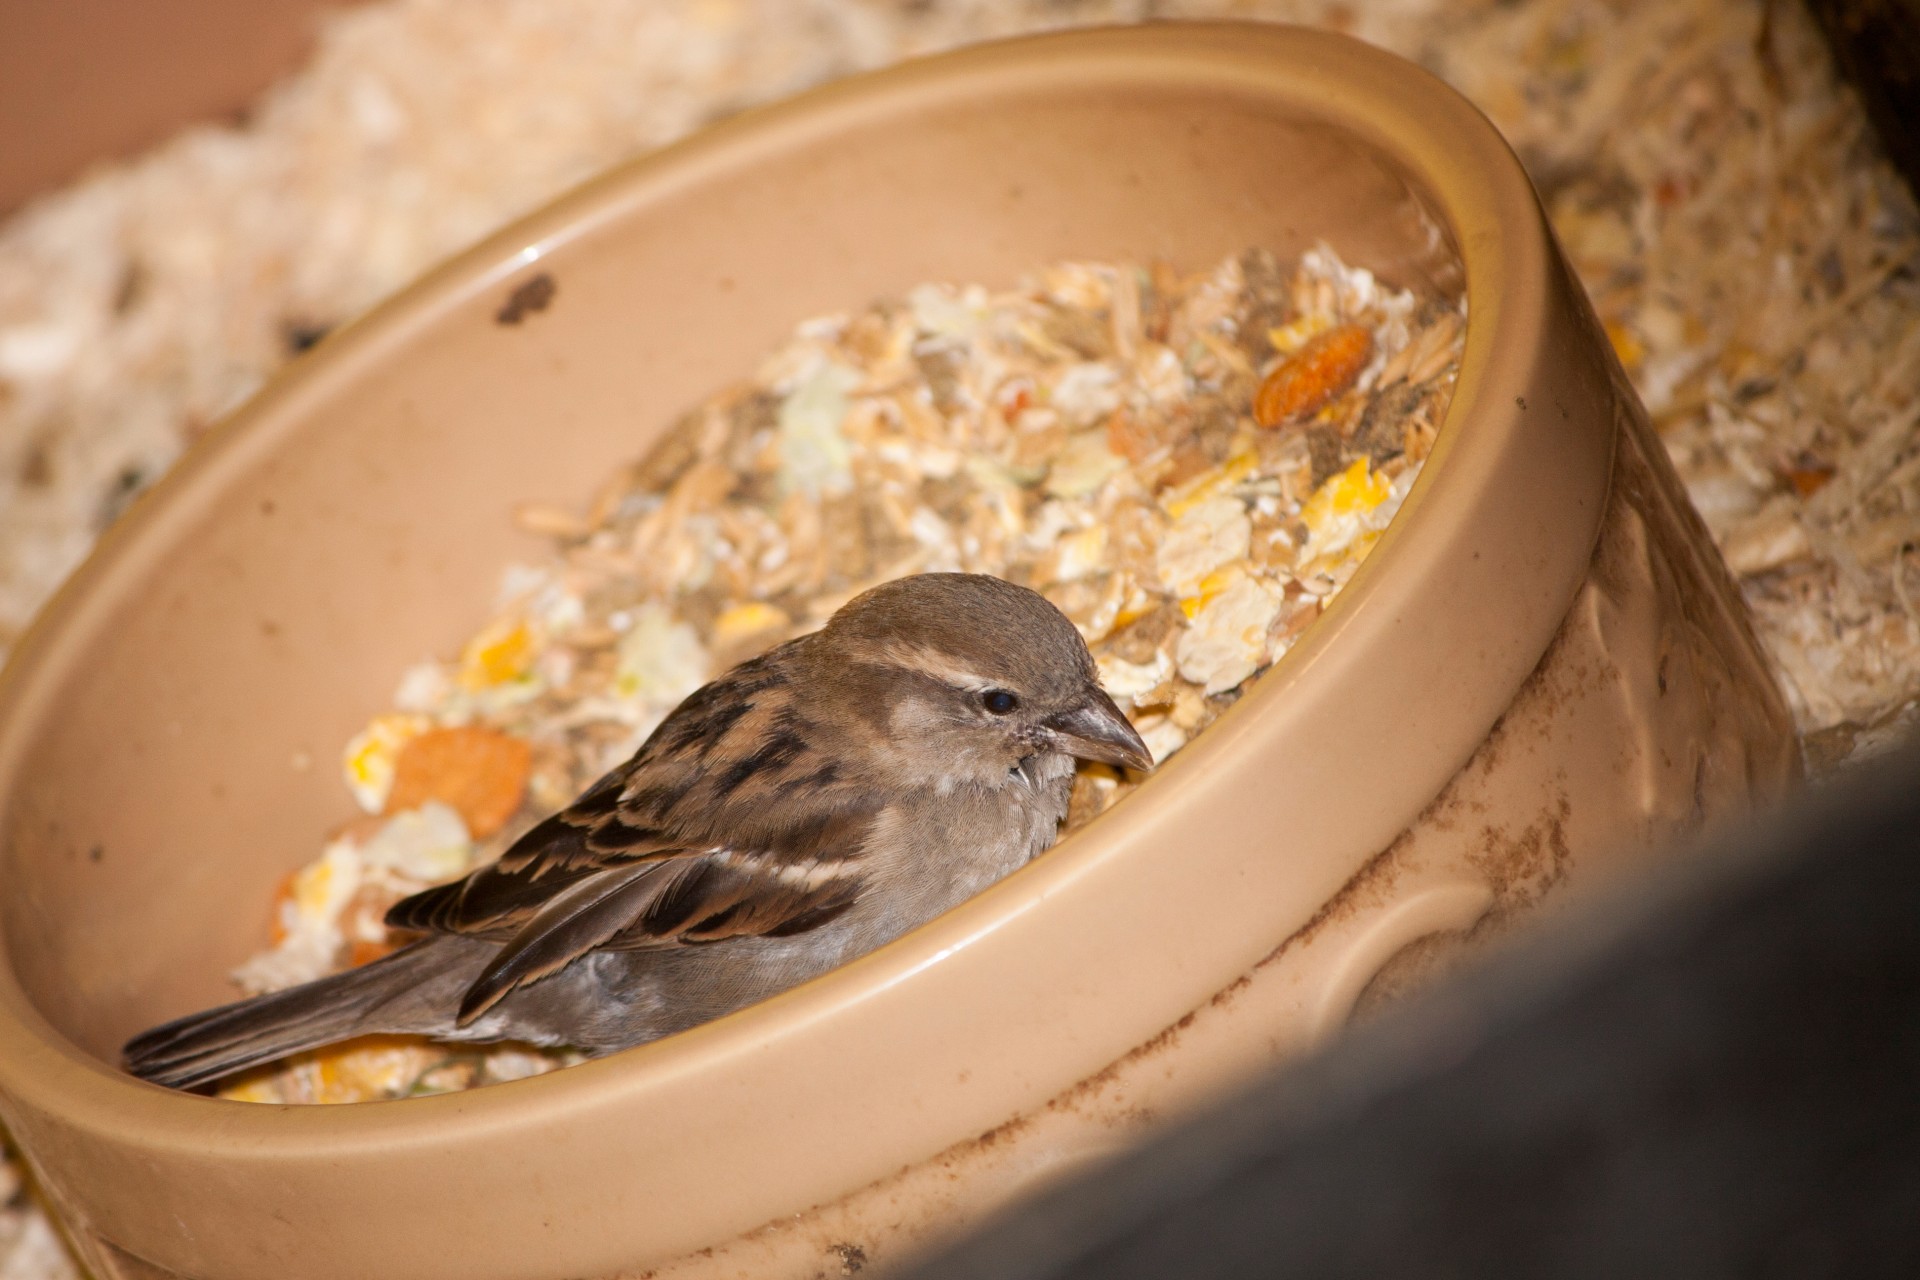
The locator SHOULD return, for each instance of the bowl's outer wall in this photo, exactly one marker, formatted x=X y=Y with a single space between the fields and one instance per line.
x=169 y=730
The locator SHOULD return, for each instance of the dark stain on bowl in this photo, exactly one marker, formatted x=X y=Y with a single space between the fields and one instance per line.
x=527 y=298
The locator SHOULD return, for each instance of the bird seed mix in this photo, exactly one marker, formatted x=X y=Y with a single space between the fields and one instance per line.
x=1190 y=467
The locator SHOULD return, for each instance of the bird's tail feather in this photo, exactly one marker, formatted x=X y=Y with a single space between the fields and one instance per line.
x=205 y=1046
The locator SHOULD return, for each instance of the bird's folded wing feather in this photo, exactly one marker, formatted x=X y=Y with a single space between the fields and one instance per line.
x=695 y=840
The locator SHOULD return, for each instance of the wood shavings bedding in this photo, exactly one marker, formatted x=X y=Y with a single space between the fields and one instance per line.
x=1757 y=264
x=1190 y=467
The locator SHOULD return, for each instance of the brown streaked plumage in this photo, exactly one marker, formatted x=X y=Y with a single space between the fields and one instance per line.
x=804 y=808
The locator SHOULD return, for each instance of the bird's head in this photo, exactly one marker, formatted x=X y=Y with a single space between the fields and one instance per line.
x=984 y=673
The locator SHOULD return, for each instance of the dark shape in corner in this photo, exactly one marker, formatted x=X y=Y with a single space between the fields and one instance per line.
x=120 y=493
x=1876 y=46
x=535 y=295
x=302 y=335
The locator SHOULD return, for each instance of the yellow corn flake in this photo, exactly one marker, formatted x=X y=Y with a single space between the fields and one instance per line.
x=1357 y=489
x=501 y=653
x=1227 y=640
x=324 y=886
x=1296 y=333
x=369 y=1072
x=1344 y=520
x=364 y=1072
x=1210 y=482
x=1210 y=586
x=1207 y=537
x=1354 y=492
x=1138 y=605
x=1626 y=346
x=254 y=1089
x=1219 y=580
x=744 y=621
x=368 y=759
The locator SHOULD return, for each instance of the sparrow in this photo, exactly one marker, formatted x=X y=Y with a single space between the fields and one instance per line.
x=806 y=807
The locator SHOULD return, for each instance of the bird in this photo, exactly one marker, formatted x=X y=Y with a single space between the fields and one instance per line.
x=804 y=808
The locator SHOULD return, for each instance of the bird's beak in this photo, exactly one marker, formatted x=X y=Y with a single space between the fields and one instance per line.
x=1096 y=730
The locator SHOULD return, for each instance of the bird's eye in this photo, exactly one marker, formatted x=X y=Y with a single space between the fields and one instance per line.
x=999 y=701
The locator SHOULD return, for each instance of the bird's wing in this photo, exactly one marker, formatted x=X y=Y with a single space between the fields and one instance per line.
x=728 y=822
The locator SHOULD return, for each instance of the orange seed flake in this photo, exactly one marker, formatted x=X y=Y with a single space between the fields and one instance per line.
x=1130 y=438
x=1807 y=481
x=364 y=952
x=1311 y=377
x=479 y=773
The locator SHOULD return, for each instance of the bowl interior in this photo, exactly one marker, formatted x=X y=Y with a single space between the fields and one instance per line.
x=174 y=726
